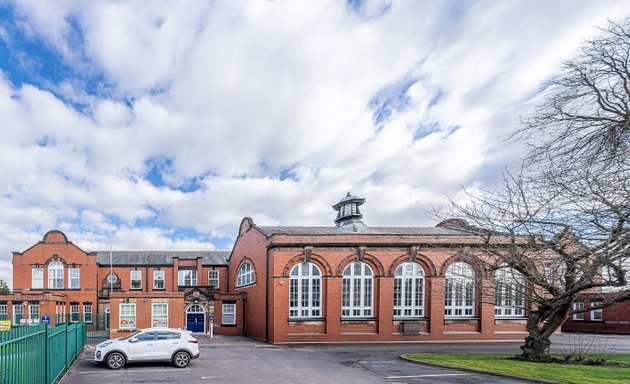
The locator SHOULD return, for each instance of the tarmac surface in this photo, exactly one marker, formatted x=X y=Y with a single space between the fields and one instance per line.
x=233 y=359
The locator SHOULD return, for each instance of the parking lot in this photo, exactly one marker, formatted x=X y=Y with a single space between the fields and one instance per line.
x=241 y=360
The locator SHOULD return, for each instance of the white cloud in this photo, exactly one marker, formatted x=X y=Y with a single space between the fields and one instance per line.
x=228 y=95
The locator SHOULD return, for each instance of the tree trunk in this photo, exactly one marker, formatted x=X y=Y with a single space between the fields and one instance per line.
x=536 y=348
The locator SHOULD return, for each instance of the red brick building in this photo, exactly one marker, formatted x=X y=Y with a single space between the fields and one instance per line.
x=354 y=283
x=612 y=319
x=122 y=290
x=344 y=283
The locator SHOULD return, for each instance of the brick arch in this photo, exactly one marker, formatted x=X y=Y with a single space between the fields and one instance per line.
x=56 y=258
x=424 y=261
x=370 y=260
x=315 y=259
x=475 y=263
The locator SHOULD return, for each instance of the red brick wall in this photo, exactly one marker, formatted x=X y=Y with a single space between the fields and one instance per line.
x=616 y=319
x=250 y=246
x=144 y=301
x=383 y=258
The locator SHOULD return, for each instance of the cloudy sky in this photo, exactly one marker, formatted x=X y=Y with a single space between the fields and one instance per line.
x=162 y=126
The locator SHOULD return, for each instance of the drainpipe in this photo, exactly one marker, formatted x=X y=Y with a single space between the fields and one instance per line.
x=267 y=297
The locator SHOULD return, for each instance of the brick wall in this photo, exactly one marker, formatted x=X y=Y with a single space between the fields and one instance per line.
x=332 y=254
x=143 y=304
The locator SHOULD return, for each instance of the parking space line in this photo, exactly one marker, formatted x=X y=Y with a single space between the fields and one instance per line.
x=181 y=370
x=435 y=375
x=379 y=362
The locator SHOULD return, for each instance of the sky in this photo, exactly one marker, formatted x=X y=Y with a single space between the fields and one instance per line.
x=161 y=125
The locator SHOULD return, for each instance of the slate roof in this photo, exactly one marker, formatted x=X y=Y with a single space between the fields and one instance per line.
x=402 y=231
x=161 y=257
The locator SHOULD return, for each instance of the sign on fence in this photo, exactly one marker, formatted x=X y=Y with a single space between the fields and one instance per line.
x=5 y=325
x=46 y=319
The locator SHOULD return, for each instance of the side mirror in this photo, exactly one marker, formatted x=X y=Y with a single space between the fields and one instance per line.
x=133 y=340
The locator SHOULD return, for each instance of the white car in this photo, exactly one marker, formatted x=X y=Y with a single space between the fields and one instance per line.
x=151 y=344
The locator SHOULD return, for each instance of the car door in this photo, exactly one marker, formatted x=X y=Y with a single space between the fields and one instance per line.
x=141 y=347
x=166 y=344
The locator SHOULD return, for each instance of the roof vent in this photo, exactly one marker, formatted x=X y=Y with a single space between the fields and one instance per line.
x=348 y=213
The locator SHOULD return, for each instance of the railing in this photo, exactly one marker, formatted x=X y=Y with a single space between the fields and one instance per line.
x=39 y=354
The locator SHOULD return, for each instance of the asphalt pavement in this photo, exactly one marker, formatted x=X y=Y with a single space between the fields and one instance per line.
x=241 y=360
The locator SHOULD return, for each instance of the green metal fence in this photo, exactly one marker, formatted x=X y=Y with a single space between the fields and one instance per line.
x=39 y=354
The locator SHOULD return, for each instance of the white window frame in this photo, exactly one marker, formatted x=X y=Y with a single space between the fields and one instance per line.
x=246 y=275
x=155 y=278
x=17 y=312
x=305 y=291
x=409 y=290
x=578 y=306
x=187 y=278
x=597 y=309
x=55 y=275
x=74 y=278
x=138 y=278
x=4 y=311
x=37 y=278
x=74 y=310
x=459 y=301
x=357 y=291
x=87 y=310
x=230 y=311
x=159 y=319
x=509 y=293
x=33 y=309
x=129 y=308
x=215 y=278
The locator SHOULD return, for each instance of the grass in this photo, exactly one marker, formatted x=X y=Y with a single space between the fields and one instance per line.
x=564 y=373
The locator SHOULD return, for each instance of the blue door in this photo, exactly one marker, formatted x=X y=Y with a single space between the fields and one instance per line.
x=194 y=322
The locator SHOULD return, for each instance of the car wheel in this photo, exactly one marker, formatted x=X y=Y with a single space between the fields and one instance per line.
x=115 y=361
x=181 y=359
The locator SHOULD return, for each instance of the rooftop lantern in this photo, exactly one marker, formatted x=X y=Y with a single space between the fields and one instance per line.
x=348 y=213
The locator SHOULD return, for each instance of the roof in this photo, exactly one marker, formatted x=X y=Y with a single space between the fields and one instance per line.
x=409 y=231
x=161 y=257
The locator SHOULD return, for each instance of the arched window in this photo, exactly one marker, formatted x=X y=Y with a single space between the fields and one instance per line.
x=357 y=291
x=460 y=291
x=55 y=275
x=510 y=293
x=409 y=290
x=245 y=275
x=305 y=290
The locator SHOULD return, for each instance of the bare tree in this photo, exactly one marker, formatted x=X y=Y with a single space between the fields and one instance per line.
x=562 y=219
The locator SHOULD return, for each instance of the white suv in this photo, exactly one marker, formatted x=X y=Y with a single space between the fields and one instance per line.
x=152 y=344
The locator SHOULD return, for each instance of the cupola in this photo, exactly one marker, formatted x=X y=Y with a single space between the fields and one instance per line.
x=348 y=213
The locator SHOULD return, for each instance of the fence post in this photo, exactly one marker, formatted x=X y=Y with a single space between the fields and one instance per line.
x=46 y=361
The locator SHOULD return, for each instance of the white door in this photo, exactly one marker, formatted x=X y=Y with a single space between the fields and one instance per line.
x=142 y=348
x=167 y=342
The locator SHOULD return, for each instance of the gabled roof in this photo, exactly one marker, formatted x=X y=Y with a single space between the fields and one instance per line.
x=161 y=257
x=404 y=231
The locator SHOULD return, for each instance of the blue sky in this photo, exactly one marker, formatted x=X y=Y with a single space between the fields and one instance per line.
x=161 y=127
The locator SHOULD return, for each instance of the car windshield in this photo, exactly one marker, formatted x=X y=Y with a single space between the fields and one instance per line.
x=130 y=336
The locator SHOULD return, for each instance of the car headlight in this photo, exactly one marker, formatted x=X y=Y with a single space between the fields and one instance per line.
x=103 y=345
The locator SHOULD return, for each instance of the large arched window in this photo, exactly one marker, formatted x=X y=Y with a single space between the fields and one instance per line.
x=245 y=275
x=357 y=291
x=305 y=291
x=55 y=275
x=460 y=291
x=409 y=290
x=510 y=293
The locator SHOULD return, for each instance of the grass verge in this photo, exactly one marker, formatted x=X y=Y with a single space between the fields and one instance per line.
x=563 y=373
